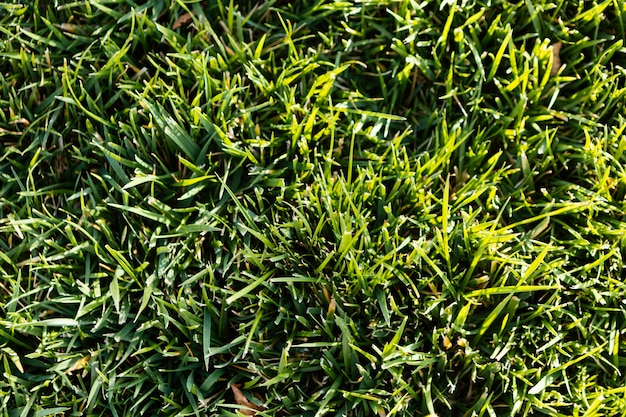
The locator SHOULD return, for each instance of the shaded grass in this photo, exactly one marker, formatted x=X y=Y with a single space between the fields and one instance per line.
x=381 y=208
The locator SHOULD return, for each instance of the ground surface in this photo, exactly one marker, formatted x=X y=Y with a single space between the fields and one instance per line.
x=312 y=208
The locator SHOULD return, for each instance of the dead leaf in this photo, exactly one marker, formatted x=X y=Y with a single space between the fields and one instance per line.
x=241 y=400
x=183 y=19
x=556 y=58
x=79 y=364
x=332 y=307
x=326 y=293
x=68 y=27
x=9 y=132
x=20 y=121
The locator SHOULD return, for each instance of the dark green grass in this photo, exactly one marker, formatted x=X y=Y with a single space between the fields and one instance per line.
x=348 y=208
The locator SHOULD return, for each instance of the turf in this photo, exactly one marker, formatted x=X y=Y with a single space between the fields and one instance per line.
x=313 y=208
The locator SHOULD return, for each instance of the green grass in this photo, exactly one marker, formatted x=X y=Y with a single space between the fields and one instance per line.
x=376 y=208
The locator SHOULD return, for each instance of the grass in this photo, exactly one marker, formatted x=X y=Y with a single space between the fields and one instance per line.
x=315 y=208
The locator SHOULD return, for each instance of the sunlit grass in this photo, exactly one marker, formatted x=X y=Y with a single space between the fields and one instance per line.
x=312 y=208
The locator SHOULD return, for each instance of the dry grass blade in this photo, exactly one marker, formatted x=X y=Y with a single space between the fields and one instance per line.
x=250 y=408
x=556 y=58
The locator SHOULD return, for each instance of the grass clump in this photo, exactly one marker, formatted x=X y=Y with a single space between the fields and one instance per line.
x=319 y=208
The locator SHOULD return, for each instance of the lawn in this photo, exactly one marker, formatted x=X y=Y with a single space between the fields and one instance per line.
x=312 y=208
